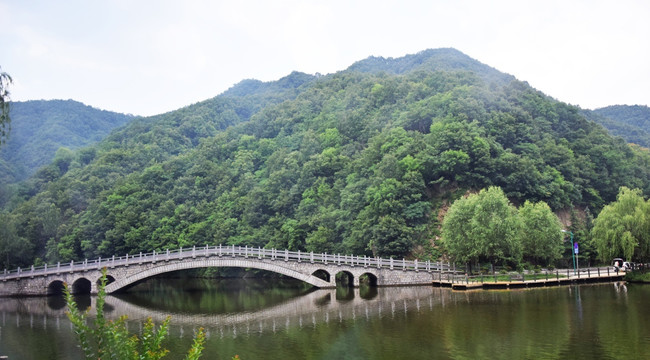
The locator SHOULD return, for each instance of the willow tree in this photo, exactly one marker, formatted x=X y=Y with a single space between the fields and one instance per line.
x=541 y=233
x=483 y=227
x=622 y=229
x=5 y=80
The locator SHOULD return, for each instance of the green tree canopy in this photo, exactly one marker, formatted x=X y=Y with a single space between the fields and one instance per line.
x=622 y=229
x=541 y=235
x=5 y=80
x=483 y=226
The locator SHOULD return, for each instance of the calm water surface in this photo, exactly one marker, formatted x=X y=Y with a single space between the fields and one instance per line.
x=285 y=320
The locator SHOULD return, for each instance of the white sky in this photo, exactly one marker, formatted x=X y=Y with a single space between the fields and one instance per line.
x=147 y=57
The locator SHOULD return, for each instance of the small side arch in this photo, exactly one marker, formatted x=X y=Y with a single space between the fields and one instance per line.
x=109 y=279
x=368 y=279
x=322 y=274
x=81 y=286
x=344 y=279
x=55 y=288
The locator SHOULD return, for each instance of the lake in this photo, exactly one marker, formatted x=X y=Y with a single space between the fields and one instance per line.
x=283 y=319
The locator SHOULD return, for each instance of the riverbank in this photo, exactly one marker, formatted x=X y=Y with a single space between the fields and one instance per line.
x=638 y=277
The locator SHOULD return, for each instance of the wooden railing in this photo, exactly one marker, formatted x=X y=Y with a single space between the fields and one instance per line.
x=531 y=276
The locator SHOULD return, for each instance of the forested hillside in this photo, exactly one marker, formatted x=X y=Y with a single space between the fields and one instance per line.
x=359 y=161
x=39 y=128
x=632 y=123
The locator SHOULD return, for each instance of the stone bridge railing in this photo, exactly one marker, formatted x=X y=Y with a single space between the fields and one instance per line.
x=220 y=250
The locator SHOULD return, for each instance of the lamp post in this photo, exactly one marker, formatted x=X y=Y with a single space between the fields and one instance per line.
x=574 y=250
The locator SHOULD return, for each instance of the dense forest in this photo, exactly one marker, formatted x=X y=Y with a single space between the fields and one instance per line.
x=632 y=123
x=39 y=128
x=363 y=161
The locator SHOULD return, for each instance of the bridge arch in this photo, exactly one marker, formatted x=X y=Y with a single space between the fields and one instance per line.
x=81 y=286
x=345 y=278
x=55 y=287
x=322 y=274
x=109 y=279
x=122 y=282
x=368 y=278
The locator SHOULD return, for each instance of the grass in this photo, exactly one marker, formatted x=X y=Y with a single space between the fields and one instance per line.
x=638 y=277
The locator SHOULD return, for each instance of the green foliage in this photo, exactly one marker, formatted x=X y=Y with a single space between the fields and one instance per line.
x=541 y=234
x=40 y=128
x=108 y=339
x=632 y=123
x=483 y=227
x=486 y=227
x=5 y=119
x=622 y=229
x=353 y=162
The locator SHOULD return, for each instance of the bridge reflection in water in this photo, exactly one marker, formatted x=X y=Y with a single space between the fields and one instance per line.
x=316 y=307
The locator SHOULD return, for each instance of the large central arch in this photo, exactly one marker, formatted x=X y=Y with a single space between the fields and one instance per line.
x=187 y=264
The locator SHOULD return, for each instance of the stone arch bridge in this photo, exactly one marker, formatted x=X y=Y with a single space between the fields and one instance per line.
x=319 y=270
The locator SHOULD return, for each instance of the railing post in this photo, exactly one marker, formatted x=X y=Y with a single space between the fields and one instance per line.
x=193 y=251
x=220 y=251
x=58 y=267
x=298 y=255
x=286 y=255
x=167 y=254
x=391 y=263
x=588 y=272
x=99 y=263
x=416 y=265
x=207 y=249
x=32 y=273
x=233 y=250
x=113 y=261
x=140 y=257
x=127 y=260
x=71 y=266
x=325 y=258
x=246 y=251
x=259 y=253
x=403 y=264
x=45 y=270
x=311 y=257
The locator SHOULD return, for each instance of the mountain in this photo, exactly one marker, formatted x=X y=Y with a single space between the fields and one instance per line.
x=361 y=161
x=446 y=59
x=40 y=128
x=632 y=123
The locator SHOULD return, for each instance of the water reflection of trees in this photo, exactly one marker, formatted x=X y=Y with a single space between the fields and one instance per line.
x=386 y=322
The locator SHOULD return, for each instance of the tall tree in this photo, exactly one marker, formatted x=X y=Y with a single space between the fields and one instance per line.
x=541 y=235
x=483 y=226
x=623 y=227
x=5 y=80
